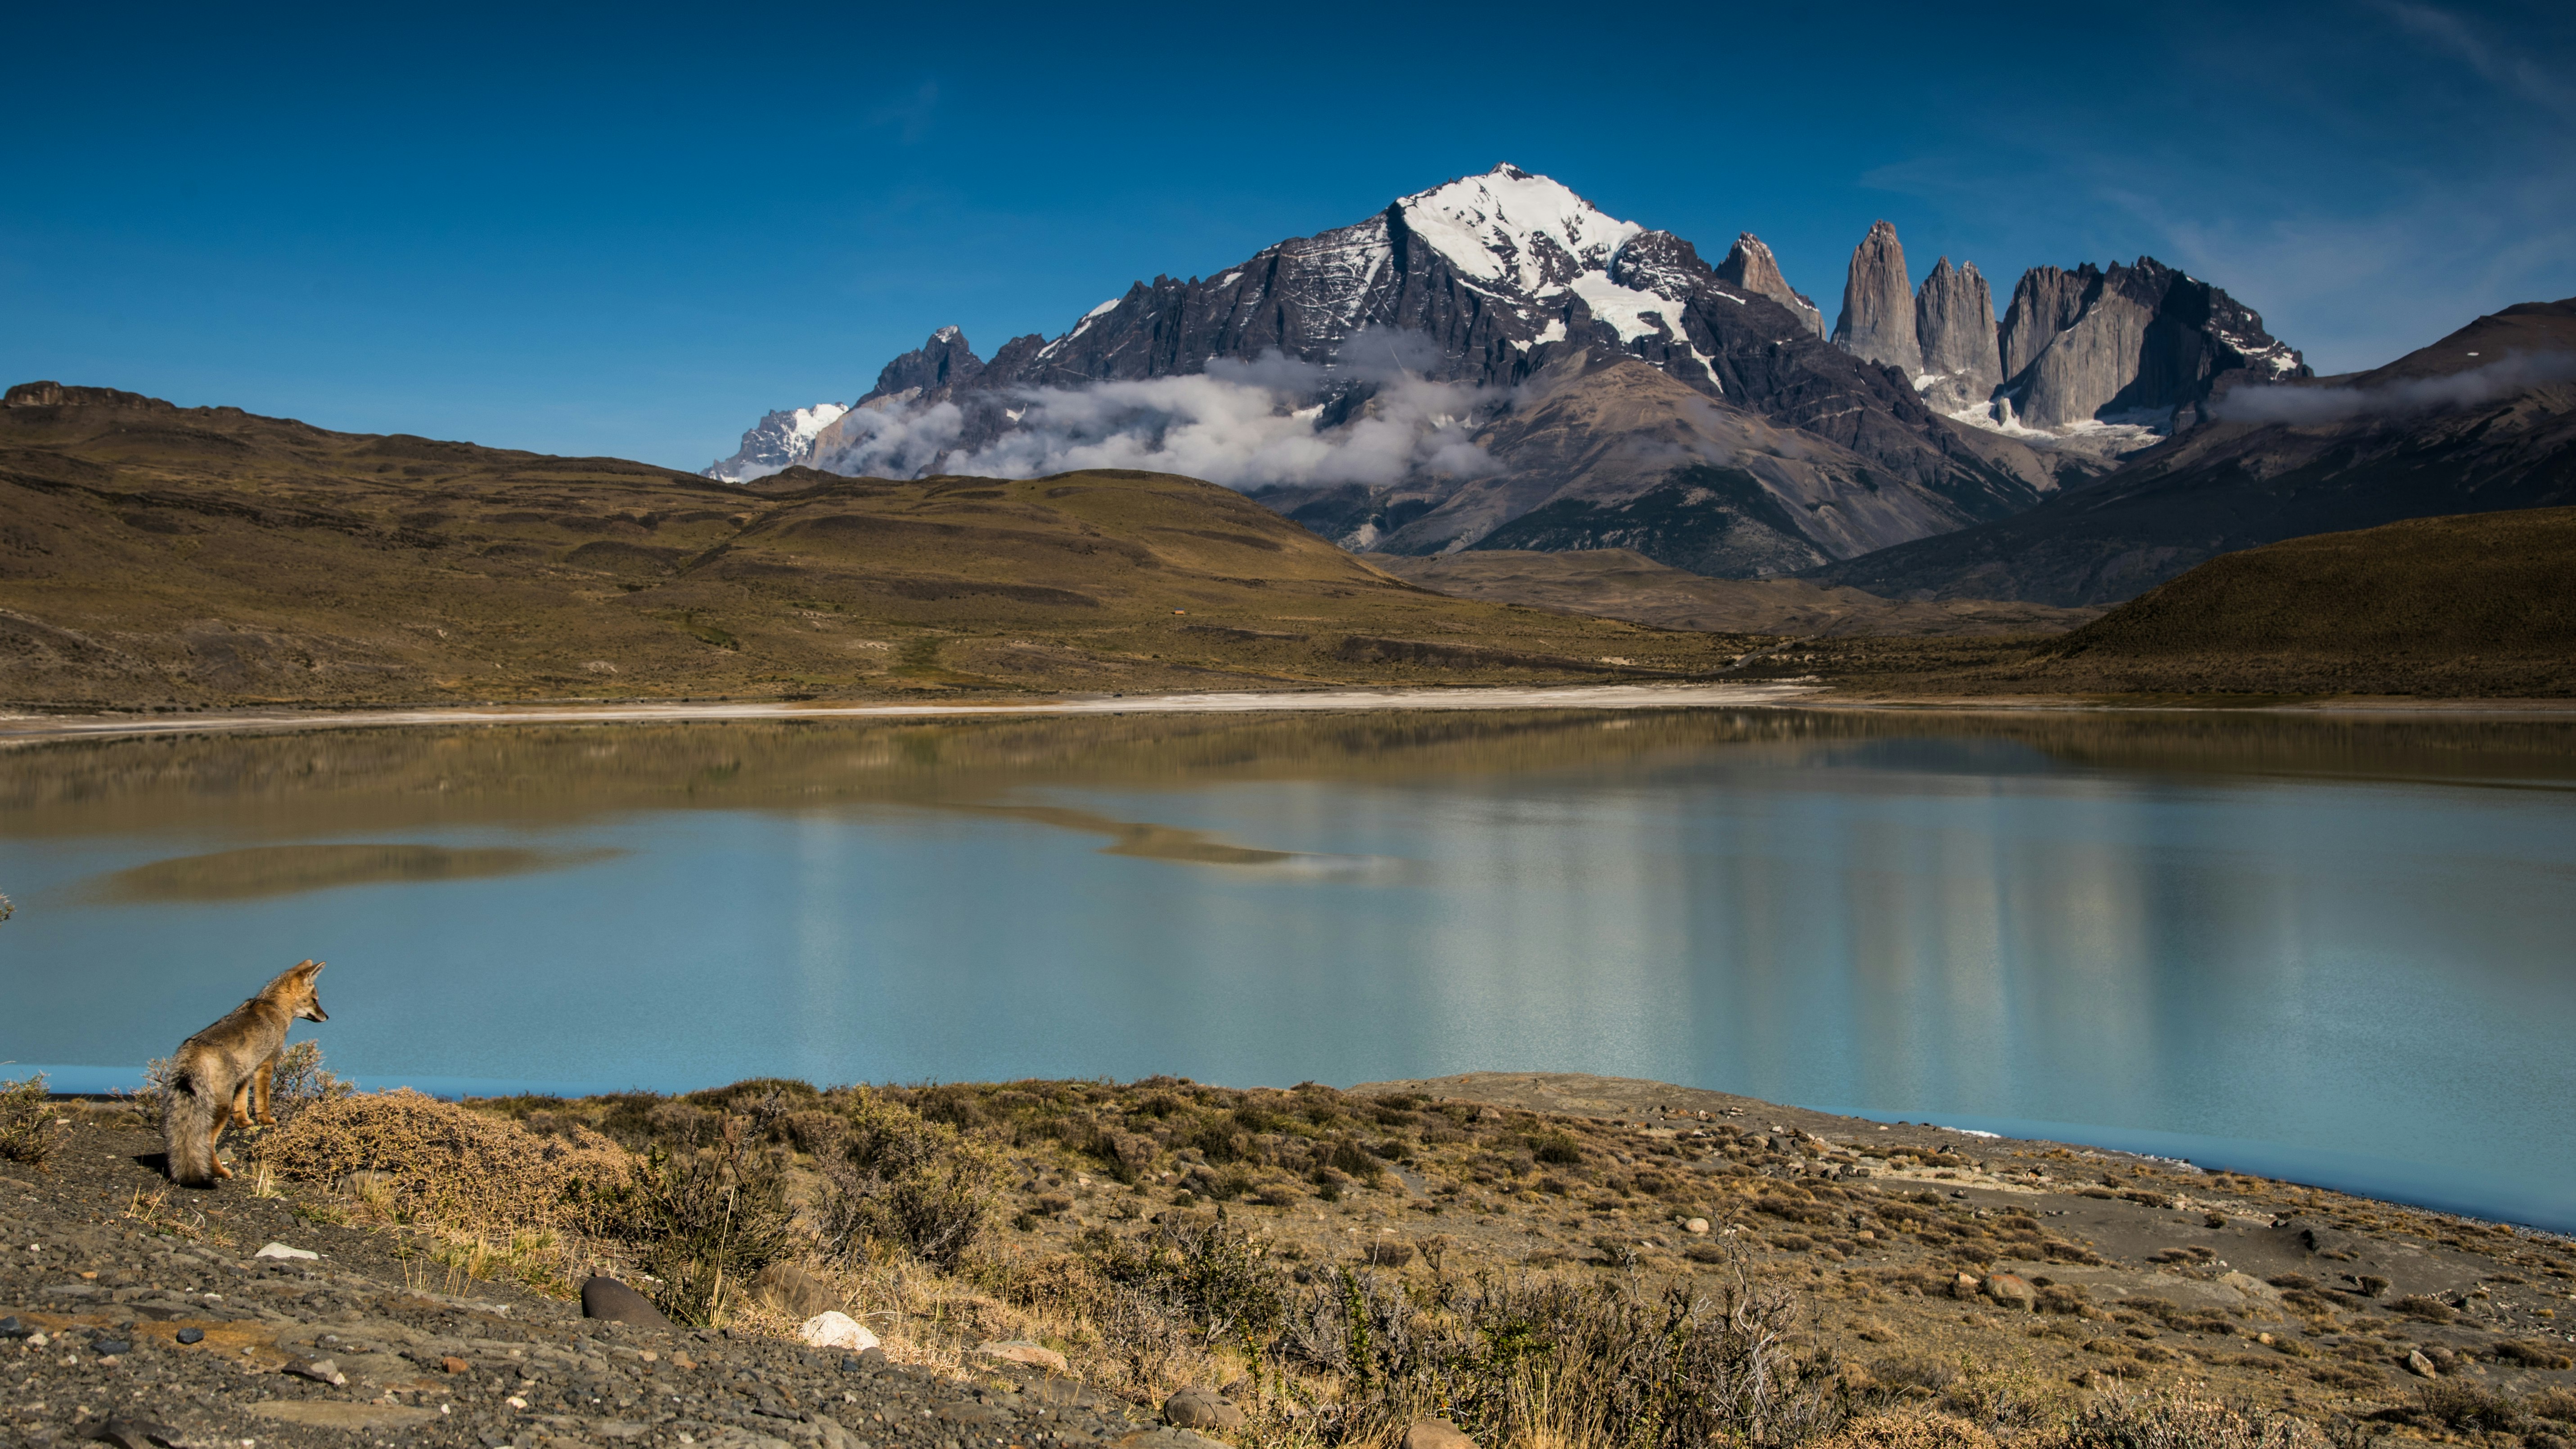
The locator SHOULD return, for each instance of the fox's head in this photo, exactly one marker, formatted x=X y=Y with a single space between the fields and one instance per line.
x=295 y=989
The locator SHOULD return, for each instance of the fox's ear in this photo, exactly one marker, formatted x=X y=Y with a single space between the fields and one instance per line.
x=308 y=966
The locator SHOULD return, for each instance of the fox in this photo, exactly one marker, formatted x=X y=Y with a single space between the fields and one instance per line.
x=226 y=1069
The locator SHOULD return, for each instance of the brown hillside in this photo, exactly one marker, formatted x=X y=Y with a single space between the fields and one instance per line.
x=152 y=555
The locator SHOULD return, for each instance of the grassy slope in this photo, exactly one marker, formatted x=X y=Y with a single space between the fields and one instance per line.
x=1618 y=583
x=152 y=555
x=2472 y=606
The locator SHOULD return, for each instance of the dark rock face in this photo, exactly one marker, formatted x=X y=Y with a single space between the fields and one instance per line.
x=2137 y=341
x=1877 y=323
x=1954 y=319
x=2398 y=451
x=942 y=363
x=1750 y=266
x=606 y=1298
x=2045 y=302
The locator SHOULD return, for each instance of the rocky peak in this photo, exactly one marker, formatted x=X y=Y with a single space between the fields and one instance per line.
x=1661 y=263
x=1508 y=226
x=1954 y=320
x=2143 y=343
x=2045 y=302
x=780 y=440
x=943 y=362
x=1750 y=266
x=1877 y=322
x=55 y=395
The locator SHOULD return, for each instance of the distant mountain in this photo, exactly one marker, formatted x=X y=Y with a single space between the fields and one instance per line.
x=1384 y=382
x=2484 y=419
x=779 y=441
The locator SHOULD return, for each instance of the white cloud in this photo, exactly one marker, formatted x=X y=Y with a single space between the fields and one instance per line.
x=2499 y=379
x=1240 y=424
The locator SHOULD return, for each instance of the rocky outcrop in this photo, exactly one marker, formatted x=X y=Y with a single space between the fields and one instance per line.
x=1954 y=319
x=2418 y=438
x=1750 y=265
x=939 y=365
x=2135 y=343
x=2045 y=302
x=1877 y=323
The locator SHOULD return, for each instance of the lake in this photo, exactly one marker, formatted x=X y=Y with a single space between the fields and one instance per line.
x=2328 y=948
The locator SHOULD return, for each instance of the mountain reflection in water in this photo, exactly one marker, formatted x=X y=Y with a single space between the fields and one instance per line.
x=2332 y=940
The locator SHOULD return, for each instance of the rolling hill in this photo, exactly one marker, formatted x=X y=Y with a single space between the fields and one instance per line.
x=156 y=556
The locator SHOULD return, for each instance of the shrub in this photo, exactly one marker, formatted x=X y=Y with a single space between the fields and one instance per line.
x=1556 y=1148
x=28 y=1132
x=2452 y=1404
x=903 y=1179
x=442 y=1162
x=2125 y=1423
x=1551 y=1360
x=707 y=1222
x=1908 y=1431
x=1210 y=1276
x=2534 y=1354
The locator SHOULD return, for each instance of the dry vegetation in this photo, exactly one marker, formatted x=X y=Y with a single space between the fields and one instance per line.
x=1343 y=1265
x=154 y=556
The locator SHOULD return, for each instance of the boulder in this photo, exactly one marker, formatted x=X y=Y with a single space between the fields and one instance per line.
x=835 y=1329
x=607 y=1299
x=2012 y=1291
x=2420 y=1366
x=2251 y=1286
x=1197 y=1408
x=1695 y=1225
x=1021 y=1350
x=793 y=1291
x=1436 y=1434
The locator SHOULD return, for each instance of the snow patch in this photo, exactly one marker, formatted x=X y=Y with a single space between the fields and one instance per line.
x=1509 y=226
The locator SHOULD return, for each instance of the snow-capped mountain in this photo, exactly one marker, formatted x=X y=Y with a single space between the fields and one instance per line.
x=779 y=440
x=1367 y=380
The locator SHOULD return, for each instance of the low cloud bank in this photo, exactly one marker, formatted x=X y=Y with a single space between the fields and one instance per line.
x=1241 y=424
x=2518 y=372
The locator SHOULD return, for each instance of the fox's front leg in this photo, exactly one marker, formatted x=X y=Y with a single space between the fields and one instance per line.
x=259 y=1093
x=241 y=1105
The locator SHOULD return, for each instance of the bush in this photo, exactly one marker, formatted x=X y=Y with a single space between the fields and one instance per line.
x=1210 y=1276
x=1556 y=1148
x=2124 y=1423
x=707 y=1222
x=28 y=1132
x=449 y=1164
x=900 y=1178
x=1558 y=1361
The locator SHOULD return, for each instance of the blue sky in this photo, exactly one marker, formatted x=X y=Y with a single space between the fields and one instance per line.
x=632 y=230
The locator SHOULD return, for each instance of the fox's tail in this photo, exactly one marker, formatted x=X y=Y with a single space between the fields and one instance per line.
x=188 y=1119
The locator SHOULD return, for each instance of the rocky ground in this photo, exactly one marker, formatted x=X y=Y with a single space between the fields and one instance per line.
x=166 y=1325
x=1924 y=1257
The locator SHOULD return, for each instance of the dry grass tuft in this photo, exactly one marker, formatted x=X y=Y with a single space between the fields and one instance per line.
x=28 y=1128
x=437 y=1162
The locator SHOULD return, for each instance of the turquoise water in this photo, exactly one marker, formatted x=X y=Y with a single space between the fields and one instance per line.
x=2337 y=951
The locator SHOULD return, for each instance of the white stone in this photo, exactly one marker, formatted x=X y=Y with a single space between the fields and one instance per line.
x=836 y=1330
x=1696 y=1225
x=280 y=1250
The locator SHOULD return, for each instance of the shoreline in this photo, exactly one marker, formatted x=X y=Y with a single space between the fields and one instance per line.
x=20 y=729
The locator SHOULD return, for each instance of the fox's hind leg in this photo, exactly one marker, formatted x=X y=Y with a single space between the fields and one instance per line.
x=214 y=1138
x=259 y=1093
